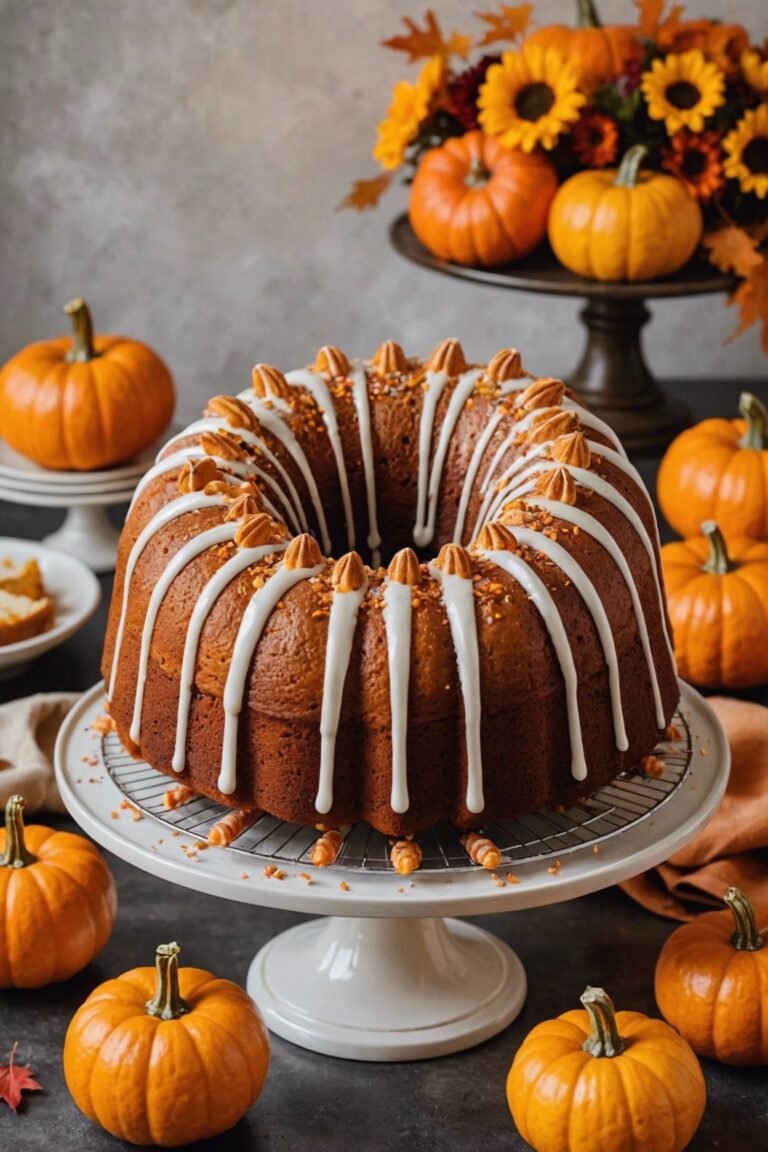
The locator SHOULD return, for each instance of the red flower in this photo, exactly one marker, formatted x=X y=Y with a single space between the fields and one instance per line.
x=696 y=159
x=463 y=92
x=595 y=140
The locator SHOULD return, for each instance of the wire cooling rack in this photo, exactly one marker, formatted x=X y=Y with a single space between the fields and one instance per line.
x=551 y=832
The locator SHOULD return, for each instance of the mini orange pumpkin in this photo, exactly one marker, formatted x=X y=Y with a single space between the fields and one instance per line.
x=602 y=53
x=602 y=1079
x=717 y=598
x=86 y=403
x=57 y=902
x=718 y=470
x=477 y=203
x=165 y=1055
x=712 y=983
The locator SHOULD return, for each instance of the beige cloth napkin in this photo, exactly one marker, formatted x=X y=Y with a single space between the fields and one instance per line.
x=733 y=847
x=28 y=729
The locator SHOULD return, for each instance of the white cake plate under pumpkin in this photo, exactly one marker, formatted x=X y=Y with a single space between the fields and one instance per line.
x=384 y=975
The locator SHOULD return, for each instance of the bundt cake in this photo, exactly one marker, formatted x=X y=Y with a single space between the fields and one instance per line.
x=525 y=664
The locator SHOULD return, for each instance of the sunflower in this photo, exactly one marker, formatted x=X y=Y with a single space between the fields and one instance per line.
x=746 y=148
x=696 y=160
x=411 y=105
x=595 y=140
x=683 y=90
x=754 y=69
x=530 y=97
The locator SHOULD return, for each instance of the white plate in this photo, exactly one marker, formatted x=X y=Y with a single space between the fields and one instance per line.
x=18 y=468
x=64 y=488
x=86 y=499
x=74 y=589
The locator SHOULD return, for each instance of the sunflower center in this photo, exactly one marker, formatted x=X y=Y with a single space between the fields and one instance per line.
x=755 y=155
x=534 y=100
x=683 y=94
x=694 y=163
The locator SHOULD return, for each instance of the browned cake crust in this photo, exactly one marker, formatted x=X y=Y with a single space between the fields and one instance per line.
x=526 y=755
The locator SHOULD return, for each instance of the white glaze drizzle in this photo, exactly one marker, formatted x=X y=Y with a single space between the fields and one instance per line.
x=435 y=385
x=257 y=613
x=304 y=378
x=188 y=503
x=539 y=594
x=362 y=404
x=587 y=523
x=179 y=459
x=341 y=633
x=588 y=419
x=200 y=613
x=465 y=386
x=540 y=542
x=398 y=610
x=221 y=534
x=490 y=497
x=459 y=599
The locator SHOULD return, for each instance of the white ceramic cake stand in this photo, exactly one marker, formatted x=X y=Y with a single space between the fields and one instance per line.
x=384 y=976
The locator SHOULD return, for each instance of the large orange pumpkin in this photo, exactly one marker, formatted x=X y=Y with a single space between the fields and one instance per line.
x=57 y=902
x=600 y=1079
x=165 y=1055
x=601 y=52
x=717 y=598
x=718 y=470
x=84 y=403
x=475 y=202
x=712 y=983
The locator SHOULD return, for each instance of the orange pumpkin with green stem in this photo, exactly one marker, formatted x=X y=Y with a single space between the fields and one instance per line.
x=601 y=52
x=166 y=1055
x=717 y=597
x=476 y=202
x=712 y=983
x=84 y=403
x=718 y=470
x=605 y=1080
x=57 y=902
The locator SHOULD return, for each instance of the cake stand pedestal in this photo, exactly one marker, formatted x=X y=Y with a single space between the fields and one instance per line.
x=612 y=377
x=386 y=976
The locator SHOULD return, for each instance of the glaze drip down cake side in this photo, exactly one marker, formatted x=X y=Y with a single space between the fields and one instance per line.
x=513 y=651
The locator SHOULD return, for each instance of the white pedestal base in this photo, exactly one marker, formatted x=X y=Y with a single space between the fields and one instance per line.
x=87 y=534
x=386 y=989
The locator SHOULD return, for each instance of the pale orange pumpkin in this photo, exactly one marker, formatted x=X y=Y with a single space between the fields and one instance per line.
x=57 y=902
x=601 y=52
x=600 y=1079
x=718 y=470
x=717 y=597
x=165 y=1055
x=476 y=202
x=84 y=403
x=712 y=983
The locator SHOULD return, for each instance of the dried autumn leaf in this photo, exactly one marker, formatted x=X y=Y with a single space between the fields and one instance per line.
x=653 y=22
x=15 y=1079
x=508 y=24
x=751 y=298
x=732 y=250
x=428 y=41
x=366 y=193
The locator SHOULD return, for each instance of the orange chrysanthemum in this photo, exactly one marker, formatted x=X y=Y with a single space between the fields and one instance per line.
x=595 y=140
x=695 y=158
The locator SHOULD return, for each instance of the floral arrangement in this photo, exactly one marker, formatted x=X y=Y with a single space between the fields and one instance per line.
x=694 y=93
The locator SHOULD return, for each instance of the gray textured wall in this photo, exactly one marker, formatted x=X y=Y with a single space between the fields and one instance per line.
x=178 y=162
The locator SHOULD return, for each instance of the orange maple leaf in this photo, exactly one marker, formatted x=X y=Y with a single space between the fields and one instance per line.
x=653 y=22
x=732 y=250
x=366 y=193
x=751 y=298
x=509 y=24
x=429 y=40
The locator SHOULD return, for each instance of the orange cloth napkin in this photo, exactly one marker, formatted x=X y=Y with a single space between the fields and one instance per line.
x=733 y=847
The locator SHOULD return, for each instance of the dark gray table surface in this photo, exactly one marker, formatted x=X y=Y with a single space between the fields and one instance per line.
x=311 y=1102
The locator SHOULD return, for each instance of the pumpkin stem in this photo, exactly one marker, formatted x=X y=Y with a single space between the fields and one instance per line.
x=82 y=349
x=478 y=173
x=16 y=853
x=167 y=1003
x=588 y=17
x=756 y=415
x=746 y=938
x=718 y=560
x=631 y=162
x=603 y=1039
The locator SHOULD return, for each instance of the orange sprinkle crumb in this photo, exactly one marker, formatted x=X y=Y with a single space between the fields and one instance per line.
x=306 y=877
x=703 y=751
x=512 y=879
x=344 y=886
x=596 y=849
x=115 y=815
x=176 y=833
x=652 y=766
x=554 y=868
x=672 y=732
x=244 y=876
